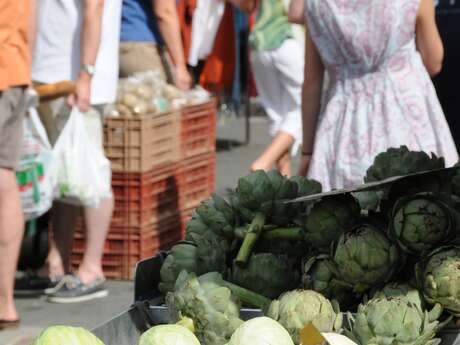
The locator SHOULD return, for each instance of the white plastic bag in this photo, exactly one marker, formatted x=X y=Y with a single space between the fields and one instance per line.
x=34 y=170
x=206 y=21
x=83 y=174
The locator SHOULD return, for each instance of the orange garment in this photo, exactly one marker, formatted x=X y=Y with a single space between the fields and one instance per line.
x=185 y=9
x=219 y=69
x=15 y=66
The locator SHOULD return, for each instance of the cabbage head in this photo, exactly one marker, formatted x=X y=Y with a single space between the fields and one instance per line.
x=260 y=331
x=168 y=335
x=65 y=335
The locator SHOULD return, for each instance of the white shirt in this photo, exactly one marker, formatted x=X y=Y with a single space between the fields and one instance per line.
x=57 y=48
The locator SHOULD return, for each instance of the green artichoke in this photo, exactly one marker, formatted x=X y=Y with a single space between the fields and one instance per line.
x=319 y=275
x=298 y=308
x=282 y=213
x=211 y=305
x=396 y=290
x=214 y=215
x=183 y=256
x=267 y=274
x=401 y=162
x=395 y=320
x=438 y=276
x=329 y=219
x=422 y=222
x=365 y=258
x=254 y=198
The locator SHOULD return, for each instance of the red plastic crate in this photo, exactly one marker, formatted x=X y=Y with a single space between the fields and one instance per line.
x=141 y=143
x=198 y=129
x=196 y=180
x=126 y=246
x=145 y=198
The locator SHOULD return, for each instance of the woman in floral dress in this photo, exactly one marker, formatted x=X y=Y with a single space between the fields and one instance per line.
x=379 y=55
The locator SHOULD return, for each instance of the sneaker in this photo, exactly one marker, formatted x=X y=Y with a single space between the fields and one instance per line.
x=72 y=290
x=32 y=285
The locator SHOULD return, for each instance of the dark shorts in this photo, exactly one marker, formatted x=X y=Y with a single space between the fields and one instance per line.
x=12 y=110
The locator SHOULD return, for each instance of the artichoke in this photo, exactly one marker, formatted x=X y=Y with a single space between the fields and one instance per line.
x=282 y=213
x=395 y=320
x=214 y=215
x=365 y=258
x=319 y=275
x=329 y=219
x=211 y=305
x=401 y=162
x=396 y=290
x=261 y=331
x=295 y=309
x=254 y=199
x=267 y=274
x=422 y=222
x=183 y=256
x=439 y=278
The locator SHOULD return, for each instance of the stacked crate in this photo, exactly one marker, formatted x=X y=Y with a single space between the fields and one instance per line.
x=163 y=166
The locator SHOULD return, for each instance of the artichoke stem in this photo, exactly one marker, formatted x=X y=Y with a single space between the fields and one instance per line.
x=255 y=230
x=248 y=297
x=270 y=233
x=283 y=234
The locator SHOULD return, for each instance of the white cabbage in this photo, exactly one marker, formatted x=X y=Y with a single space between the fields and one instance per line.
x=168 y=335
x=261 y=331
x=65 y=335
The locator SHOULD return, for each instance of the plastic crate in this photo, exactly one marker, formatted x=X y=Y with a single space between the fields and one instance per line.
x=139 y=144
x=196 y=180
x=144 y=198
x=198 y=129
x=128 y=245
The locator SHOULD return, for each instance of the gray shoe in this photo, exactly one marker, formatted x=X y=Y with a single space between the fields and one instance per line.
x=72 y=290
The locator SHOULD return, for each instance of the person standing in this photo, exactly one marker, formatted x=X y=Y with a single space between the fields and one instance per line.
x=278 y=63
x=14 y=80
x=379 y=55
x=78 y=40
x=148 y=26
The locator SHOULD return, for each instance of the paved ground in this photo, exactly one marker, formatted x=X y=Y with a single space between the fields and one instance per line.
x=233 y=161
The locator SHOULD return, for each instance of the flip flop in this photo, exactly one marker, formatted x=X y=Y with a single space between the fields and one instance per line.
x=9 y=324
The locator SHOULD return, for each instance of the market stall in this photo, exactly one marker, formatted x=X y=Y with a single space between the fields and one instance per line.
x=379 y=264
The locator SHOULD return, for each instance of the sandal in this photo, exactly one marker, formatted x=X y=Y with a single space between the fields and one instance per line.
x=9 y=324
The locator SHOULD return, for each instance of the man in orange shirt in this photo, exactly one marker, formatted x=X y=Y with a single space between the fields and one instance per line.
x=14 y=79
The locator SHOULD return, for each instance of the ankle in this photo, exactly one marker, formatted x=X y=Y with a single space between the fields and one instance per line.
x=8 y=311
x=88 y=273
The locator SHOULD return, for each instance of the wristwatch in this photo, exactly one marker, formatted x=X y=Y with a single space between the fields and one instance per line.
x=90 y=69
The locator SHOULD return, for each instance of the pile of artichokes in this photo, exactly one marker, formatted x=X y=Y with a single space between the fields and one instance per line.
x=389 y=253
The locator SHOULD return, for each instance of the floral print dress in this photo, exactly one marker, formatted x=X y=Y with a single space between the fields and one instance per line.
x=380 y=94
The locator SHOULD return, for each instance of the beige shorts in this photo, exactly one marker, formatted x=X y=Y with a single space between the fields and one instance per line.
x=55 y=114
x=13 y=103
x=143 y=56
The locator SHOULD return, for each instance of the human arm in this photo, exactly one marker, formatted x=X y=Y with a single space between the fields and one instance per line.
x=311 y=100
x=429 y=42
x=296 y=13
x=244 y=5
x=90 y=42
x=168 y=23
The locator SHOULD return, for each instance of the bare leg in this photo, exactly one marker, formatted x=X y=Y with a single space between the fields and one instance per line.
x=279 y=146
x=284 y=164
x=64 y=219
x=11 y=232
x=97 y=225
